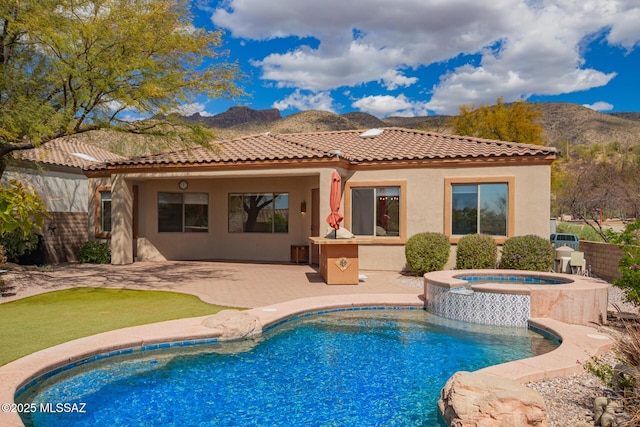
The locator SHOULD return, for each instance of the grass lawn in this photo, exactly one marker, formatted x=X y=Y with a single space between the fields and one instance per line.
x=44 y=320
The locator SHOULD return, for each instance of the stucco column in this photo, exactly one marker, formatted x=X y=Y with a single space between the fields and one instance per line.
x=121 y=221
x=324 y=190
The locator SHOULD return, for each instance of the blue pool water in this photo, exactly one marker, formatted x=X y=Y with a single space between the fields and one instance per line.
x=522 y=280
x=349 y=368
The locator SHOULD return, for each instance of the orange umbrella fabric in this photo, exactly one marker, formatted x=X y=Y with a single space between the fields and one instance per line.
x=334 y=217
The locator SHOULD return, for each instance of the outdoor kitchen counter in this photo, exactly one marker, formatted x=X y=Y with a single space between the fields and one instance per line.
x=339 y=259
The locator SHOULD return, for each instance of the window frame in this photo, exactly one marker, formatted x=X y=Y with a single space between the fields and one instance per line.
x=99 y=233
x=448 y=197
x=273 y=195
x=184 y=226
x=348 y=202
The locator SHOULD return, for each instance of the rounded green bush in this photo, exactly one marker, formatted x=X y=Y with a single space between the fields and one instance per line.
x=527 y=253
x=427 y=252
x=95 y=252
x=16 y=244
x=476 y=251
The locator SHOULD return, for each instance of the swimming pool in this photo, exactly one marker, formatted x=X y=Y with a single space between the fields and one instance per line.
x=512 y=279
x=360 y=368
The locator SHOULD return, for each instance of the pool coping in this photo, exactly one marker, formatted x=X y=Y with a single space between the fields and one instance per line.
x=579 y=343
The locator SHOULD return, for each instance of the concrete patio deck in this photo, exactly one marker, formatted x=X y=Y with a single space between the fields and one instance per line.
x=246 y=285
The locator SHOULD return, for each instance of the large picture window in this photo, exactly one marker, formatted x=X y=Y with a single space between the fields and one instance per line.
x=375 y=211
x=479 y=208
x=259 y=213
x=483 y=205
x=183 y=212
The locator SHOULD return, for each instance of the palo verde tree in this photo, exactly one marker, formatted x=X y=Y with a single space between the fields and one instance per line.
x=70 y=66
x=516 y=122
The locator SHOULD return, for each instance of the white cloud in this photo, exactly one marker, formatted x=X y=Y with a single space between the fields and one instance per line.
x=392 y=79
x=306 y=101
x=387 y=105
x=190 y=109
x=522 y=47
x=599 y=106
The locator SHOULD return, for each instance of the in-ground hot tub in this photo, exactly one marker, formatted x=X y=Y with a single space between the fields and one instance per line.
x=512 y=297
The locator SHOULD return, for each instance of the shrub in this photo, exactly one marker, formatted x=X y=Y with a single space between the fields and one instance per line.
x=3 y=256
x=629 y=263
x=426 y=252
x=16 y=244
x=95 y=252
x=476 y=251
x=527 y=253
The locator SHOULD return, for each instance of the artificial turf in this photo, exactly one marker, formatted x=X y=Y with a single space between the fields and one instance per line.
x=45 y=320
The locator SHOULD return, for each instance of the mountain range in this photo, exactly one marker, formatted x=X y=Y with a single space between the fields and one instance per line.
x=563 y=123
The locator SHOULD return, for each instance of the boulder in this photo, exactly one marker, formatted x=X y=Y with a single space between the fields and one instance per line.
x=472 y=399
x=233 y=324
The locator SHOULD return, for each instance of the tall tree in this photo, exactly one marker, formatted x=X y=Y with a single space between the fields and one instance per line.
x=516 y=122
x=69 y=66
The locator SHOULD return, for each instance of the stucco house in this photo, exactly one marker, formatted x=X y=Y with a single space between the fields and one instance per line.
x=55 y=171
x=255 y=198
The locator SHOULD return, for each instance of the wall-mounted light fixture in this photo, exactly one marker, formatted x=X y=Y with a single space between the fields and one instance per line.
x=303 y=207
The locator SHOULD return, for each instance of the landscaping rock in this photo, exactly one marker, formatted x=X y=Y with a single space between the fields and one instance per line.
x=233 y=324
x=478 y=400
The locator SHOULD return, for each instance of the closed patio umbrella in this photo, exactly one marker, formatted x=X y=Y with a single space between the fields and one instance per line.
x=334 y=217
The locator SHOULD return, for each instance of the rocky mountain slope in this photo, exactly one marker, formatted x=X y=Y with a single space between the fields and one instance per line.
x=563 y=124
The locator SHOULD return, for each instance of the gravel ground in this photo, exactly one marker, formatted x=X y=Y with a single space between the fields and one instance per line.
x=570 y=399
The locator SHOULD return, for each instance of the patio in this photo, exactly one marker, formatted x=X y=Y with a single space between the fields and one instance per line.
x=247 y=285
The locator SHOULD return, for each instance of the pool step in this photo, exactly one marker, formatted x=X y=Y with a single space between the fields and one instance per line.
x=462 y=291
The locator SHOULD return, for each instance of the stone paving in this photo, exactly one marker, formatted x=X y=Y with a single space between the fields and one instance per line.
x=247 y=285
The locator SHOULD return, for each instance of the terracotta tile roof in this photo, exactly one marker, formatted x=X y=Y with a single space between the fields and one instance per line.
x=390 y=144
x=71 y=153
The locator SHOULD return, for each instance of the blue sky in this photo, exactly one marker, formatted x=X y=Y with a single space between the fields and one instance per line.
x=427 y=57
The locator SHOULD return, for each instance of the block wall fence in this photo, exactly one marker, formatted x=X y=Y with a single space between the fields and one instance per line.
x=602 y=258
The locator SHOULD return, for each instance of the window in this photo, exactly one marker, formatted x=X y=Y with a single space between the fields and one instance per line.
x=480 y=208
x=105 y=212
x=259 y=213
x=102 y=225
x=183 y=212
x=482 y=205
x=375 y=211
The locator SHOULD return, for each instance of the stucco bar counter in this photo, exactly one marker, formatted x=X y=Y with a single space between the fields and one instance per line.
x=339 y=259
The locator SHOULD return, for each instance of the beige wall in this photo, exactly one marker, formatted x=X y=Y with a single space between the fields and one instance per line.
x=425 y=194
x=60 y=191
x=425 y=204
x=218 y=242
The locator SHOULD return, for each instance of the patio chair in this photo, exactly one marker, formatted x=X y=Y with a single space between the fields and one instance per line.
x=577 y=262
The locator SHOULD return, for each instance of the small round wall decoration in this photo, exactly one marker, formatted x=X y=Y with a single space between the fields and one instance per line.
x=183 y=185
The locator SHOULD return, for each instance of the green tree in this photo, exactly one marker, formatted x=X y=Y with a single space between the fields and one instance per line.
x=517 y=122
x=21 y=211
x=629 y=263
x=70 y=66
